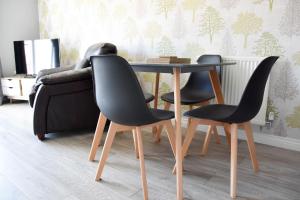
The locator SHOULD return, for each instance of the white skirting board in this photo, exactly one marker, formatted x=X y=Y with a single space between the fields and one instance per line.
x=272 y=140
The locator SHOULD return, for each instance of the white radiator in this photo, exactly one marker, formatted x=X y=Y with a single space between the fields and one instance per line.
x=234 y=80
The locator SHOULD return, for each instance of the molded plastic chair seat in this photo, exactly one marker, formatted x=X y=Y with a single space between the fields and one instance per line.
x=162 y=114
x=216 y=112
x=148 y=97
x=189 y=97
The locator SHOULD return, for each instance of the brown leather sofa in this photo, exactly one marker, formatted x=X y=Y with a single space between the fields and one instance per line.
x=63 y=98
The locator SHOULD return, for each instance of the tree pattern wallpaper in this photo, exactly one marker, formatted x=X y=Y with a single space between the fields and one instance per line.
x=189 y=28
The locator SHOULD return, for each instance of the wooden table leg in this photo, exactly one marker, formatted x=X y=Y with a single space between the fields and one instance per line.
x=233 y=160
x=155 y=103
x=177 y=104
x=215 y=82
x=156 y=88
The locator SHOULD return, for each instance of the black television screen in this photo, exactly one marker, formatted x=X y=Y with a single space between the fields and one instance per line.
x=31 y=56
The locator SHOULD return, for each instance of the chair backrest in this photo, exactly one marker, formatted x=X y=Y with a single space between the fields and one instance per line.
x=252 y=97
x=119 y=95
x=200 y=80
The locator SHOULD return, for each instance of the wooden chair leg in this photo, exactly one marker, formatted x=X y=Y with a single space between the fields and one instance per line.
x=227 y=133
x=171 y=135
x=135 y=144
x=107 y=146
x=142 y=163
x=188 y=138
x=189 y=120
x=233 y=160
x=251 y=145
x=167 y=106
x=216 y=134
x=97 y=137
x=154 y=131
x=207 y=139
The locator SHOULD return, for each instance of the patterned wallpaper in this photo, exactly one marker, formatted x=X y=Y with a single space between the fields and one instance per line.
x=189 y=28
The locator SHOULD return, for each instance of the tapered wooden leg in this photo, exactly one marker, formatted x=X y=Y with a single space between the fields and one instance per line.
x=177 y=105
x=142 y=163
x=155 y=103
x=97 y=136
x=136 y=149
x=251 y=146
x=167 y=106
x=227 y=133
x=171 y=135
x=156 y=90
x=214 y=79
x=189 y=120
x=190 y=133
x=215 y=132
x=233 y=160
x=107 y=146
x=207 y=139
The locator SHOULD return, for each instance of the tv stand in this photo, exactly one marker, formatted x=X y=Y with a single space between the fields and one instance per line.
x=17 y=87
x=30 y=76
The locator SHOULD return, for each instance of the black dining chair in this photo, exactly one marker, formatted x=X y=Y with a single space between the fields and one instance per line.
x=103 y=123
x=234 y=116
x=121 y=100
x=148 y=97
x=197 y=91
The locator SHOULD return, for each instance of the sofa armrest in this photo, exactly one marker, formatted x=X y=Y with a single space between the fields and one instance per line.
x=46 y=92
x=46 y=72
x=67 y=76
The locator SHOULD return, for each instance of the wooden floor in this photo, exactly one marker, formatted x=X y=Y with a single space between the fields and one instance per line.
x=59 y=169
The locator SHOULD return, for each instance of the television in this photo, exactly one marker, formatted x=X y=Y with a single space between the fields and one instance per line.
x=31 y=56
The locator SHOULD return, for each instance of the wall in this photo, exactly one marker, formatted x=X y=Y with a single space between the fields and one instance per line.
x=189 y=28
x=18 y=21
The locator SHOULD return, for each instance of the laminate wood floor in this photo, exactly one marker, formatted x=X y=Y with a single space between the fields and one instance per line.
x=58 y=168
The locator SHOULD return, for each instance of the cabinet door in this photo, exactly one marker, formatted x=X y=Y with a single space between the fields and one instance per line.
x=10 y=82
x=27 y=84
x=11 y=91
x=11 y=87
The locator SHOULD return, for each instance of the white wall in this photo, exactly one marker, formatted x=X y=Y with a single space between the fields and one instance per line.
x=18 y=21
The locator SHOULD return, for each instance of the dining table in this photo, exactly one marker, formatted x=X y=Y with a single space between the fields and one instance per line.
x=176 y=70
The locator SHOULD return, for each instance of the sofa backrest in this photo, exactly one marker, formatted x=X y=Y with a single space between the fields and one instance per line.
x=95 y=50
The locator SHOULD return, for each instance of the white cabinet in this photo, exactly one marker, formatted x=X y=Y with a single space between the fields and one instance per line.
x=17 y=87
